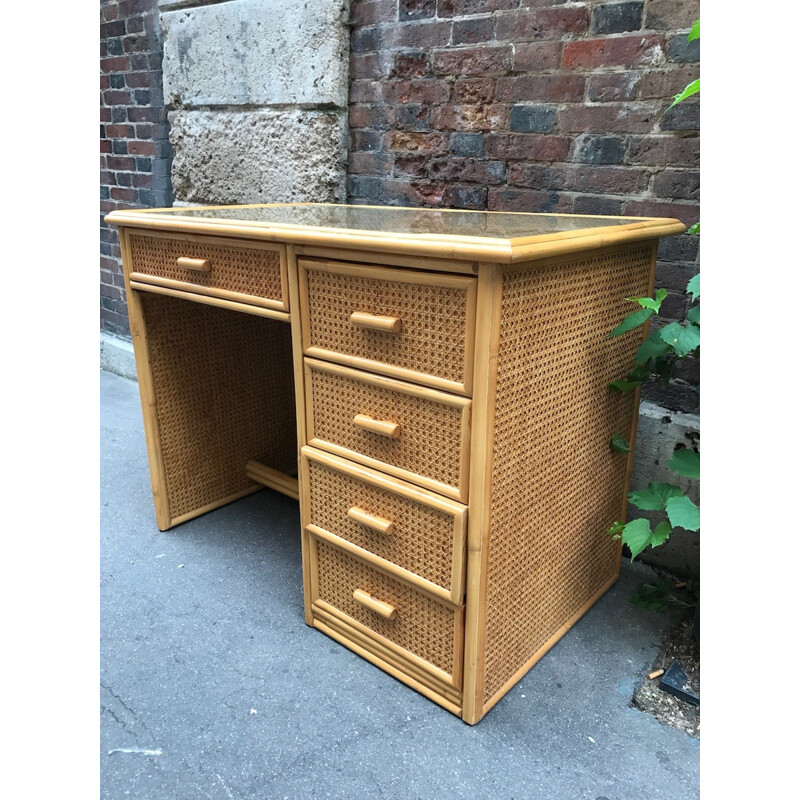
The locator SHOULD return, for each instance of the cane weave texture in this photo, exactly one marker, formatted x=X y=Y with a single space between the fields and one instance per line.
x=430 y=442
x=224 y=393
x=434 y=322
x=556 y=485
x=422 y=541
x=246 y=270
x=422 y=626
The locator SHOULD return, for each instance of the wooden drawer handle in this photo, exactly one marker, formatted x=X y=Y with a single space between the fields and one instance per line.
x=376 y=322
x=195 y=264
x=378 y=606
x=390 y=429
x=384 y=526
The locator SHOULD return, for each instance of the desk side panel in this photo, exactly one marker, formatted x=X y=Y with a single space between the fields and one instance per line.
x=556 y=486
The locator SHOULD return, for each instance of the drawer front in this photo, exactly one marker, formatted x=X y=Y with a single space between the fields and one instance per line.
x=422 y=627
x=409 y=325
x=411 y=432
x=250 y=272
x=409 y=532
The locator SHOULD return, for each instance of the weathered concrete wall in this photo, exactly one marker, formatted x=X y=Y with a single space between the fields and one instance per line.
x=257 y=92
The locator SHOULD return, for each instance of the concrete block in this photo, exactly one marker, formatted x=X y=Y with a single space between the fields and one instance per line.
x=659 y=432
x=256 y=52
x=116 y=355
x=260 y=156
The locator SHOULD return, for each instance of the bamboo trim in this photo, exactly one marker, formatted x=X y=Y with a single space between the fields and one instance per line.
x=433 y=590
x=212 y=301
x=196 y=512
x=436 y=673
x=545 y=647
x=193 y=288
x=273 y=479
x=487 y=335
x=309 y=567
x=388 y=668
x=388 y=259
x=459 y=492
x=141 y=352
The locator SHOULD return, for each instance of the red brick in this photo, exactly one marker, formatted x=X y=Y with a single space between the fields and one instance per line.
x=473 y=90
x=433 y=143
x=541 y=88
x=537 y=56
x=542 y=23
x=139 y=148
x=370 y=13
x=662 y=84
x=115 y=64
x=366 y=92
x=365 y=65
x=595 y=180
x=371 y=116
x=104 y=82
x=471 y=118
x=472 y=60
x=687 y=214
x=528 y=200
x=142 y=114
x=664 y=151
x=121 y=162
x=141 y=180
x=126 y=195
x=411 y=165
x=369 y=164
x=116 y=98
x=105 y=146
x=139 y=80
x=626 y=118
x=469 y=170
x=105 y=114
x=119 y=131
x=427 y=92
x=411 y=65
x=527 y=147
x=621 y=51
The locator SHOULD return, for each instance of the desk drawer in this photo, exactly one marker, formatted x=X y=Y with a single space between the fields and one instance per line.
x=411 y=432
x=418 y=627
x=407 y=324
x=407 y=531
x=231 y=269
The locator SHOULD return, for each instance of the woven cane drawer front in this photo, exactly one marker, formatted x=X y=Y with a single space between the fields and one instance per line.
x=412 y=325
x=411 y=529
x=422 y=626
x=431 y=442
x=252 y=272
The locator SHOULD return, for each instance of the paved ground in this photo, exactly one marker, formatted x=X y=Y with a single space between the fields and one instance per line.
x=206 y=659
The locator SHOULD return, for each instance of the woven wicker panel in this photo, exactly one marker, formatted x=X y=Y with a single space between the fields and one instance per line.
x=430 y=440
x=556 y=485
x=247 y=270
x=434 y=333
x=422 y=626
x=422 y=540
x=223 y=384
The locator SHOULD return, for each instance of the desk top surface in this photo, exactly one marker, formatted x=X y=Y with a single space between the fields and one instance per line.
x=493 y=236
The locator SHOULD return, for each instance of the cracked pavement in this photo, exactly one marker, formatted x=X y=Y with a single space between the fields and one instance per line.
x=205 y=657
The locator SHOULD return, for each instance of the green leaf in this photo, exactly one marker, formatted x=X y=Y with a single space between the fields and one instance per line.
x=648 y=302
x=683 y=513
x=654 y=497
x=619 y=444
x=633 y=321
x=660 y=534
x=694 y=33
x=693 y=315
x=615 y=531
x=693 y=287
x=686 y=463
x=689 y=90
x=695 y=229
x=652 y=347
x=636 y=535
x=681 y=338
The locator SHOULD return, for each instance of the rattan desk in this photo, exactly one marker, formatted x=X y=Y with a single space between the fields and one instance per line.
x=437 y=402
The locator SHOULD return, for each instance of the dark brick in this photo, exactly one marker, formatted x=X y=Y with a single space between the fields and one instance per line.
x=366 y=140
x=614 y=87
x=371 y=116
x=365 y=65
x=664 y=150
x=596 y=180
x=671 y=14
x=667 y=83
x=688 y=214
x=427 y=91
x=119 y=147
x=679 y=248
x=417 y=34
x=113 y=47
x=617 y=17
x=532 y=118
x=470 y=197
x=411 y=65
x=472 y=31
x=682 y=117
x=116 y=81
x=417 y=9
x=365 y=40
x=674 y=276
x=527 y=200
x=676 y=183
x=119 y=114
x=415 y=166
x=467 y=144
x=600 y=149
x=592 y=204
x=677 y=396
x=682 y=51
x=527 y=147
x=628 y=118
x=467 y=170
x=472 y=60
x=142 y=97
x=144 y=164
x=371 y=13
x=104 y=193
x=412 y=117
x=366 y=91
x=463 y=8
x=544 y=23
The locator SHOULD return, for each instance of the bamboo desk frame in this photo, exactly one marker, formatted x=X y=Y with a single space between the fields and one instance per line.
x=437 y=403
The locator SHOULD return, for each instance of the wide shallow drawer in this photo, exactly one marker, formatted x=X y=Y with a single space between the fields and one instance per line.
x=423 y=631
x=407 y=531
x=411 y=432
x=230 y=269
x=407 y=324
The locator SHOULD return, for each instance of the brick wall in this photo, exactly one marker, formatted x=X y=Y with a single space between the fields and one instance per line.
x=532 y=105
x=135 y=153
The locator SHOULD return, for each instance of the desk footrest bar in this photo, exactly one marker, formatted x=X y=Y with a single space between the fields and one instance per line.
x=261 y=473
